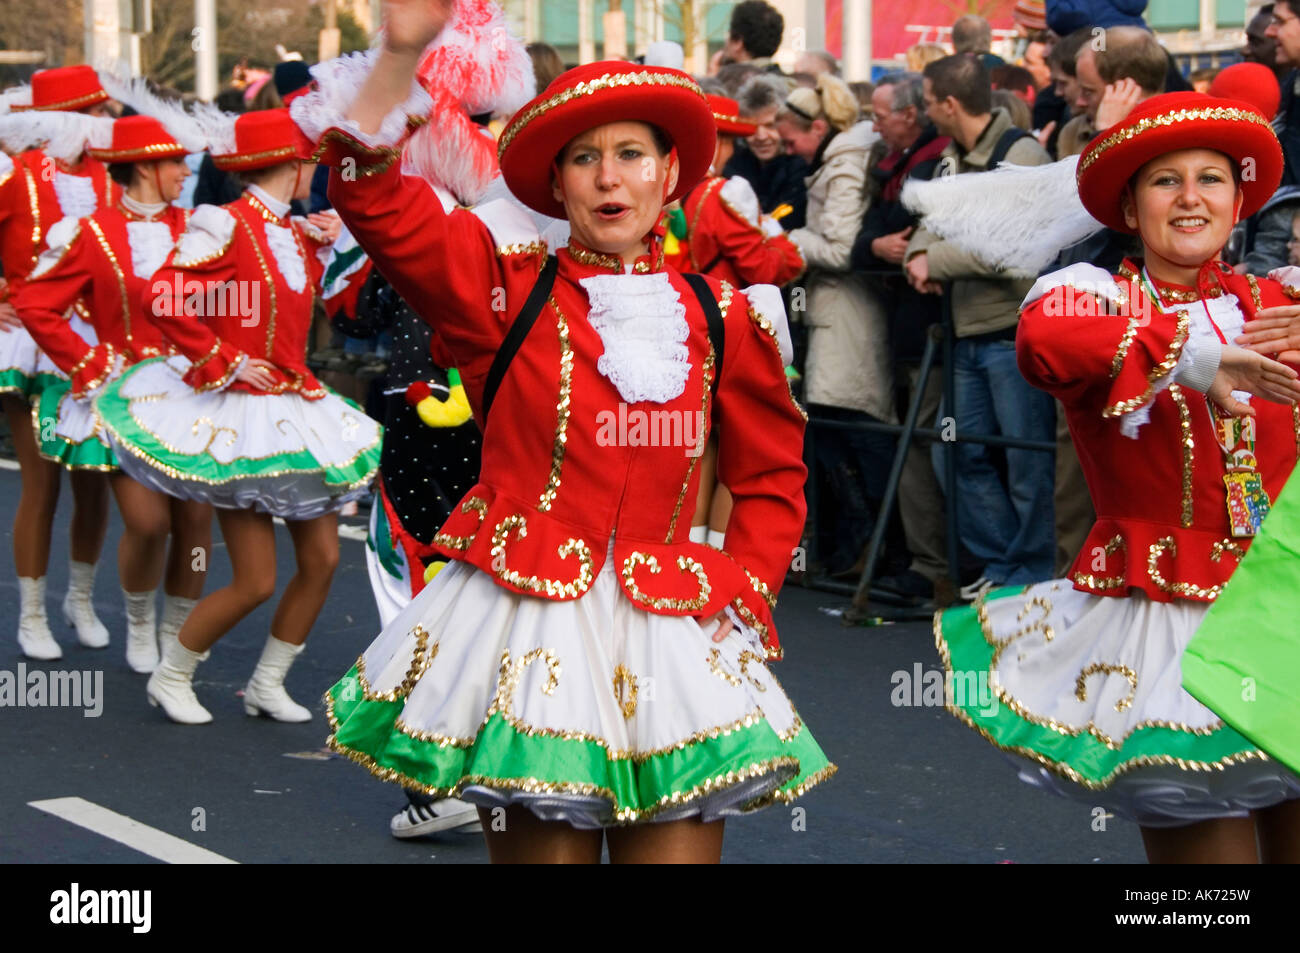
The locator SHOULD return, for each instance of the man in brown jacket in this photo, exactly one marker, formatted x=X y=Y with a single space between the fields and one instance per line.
x=1009 y=526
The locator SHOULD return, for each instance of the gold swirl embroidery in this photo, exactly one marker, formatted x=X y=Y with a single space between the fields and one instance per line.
x=1163 y=369
x=592 y=87
x=1188 y=447
x=715 y=666
x=1253 y=282
x=1081 y=683
x=1226 y=546
x=508 y=676
x=479 y=506
x=212 y=436
x=706 y=402
x=761 y=588
x=685 y=564
x=1186 y=589
x=585 y=256
x=420 y=661
x=1091 y=581
x=625 y=690
x=522 y=248
x=724 y=300
x=1168 y=119
x=751 y=620
x=562 y=411
x=554 y=588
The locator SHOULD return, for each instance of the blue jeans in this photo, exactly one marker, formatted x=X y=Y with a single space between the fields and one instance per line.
x=1010 y=527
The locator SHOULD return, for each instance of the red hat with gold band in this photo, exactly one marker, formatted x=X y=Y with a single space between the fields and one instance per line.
x=139 y=139
x=591 y=96
x=1169 y=123
x=66 y=89
x=726 y=113
x=263 y=138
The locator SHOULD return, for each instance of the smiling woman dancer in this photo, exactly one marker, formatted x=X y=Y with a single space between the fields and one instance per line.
x=573 y=663
x=1184 y=439
x=108 y=258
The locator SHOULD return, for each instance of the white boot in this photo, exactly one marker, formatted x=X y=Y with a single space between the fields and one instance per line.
x=171 y=685
x=34 y=636
x=78 y=607
x=176 y=609
x=141 y=631
x=265 y=692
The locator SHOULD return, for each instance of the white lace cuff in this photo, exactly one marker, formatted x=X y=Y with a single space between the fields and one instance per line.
x=338 y=81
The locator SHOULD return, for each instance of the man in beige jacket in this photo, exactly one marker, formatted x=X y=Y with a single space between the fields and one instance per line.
x=1009 y=526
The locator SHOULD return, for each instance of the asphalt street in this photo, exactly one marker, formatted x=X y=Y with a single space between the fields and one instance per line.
x=914 y=785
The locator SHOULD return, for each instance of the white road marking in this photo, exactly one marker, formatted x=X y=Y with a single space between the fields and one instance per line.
x=147 y=840
x=7 y=464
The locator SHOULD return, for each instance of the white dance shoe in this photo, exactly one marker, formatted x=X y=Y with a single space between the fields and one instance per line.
x=172 y=686
x=265 y=693
x=141 y=631
x=79 y=609
x=34 y=636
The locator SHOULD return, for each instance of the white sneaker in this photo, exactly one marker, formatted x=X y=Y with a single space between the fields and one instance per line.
x=445 y=815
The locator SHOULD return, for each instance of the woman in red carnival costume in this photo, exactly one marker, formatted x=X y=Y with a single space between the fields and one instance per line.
x=1185 y=437
x=242 y=423
x=108 y=259
x=518 y=677
x=39 y=187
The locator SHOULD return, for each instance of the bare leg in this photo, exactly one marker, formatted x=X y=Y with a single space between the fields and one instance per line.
x=34 y=515
x=89 y=514
x=720 y=511
x=708 y=480
x=250 y=540
x=146 y=520
x=316 y=549
x=1279 y=833
x=191 y=548
x=688 y=841
x=1224 y=840
x=526 y=839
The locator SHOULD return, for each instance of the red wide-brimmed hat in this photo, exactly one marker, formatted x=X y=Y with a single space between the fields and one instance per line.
x=139 y=139
x=1252 y=83
x=1168 y=123
x=726 y=114
x=592 y=96
x=264 y=137
x=65 y=88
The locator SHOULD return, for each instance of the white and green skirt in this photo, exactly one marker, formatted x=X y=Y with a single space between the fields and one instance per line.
x=277 y=453
x=1084 y=693
x=68 y=431
x=590 y=711
x=24 y=368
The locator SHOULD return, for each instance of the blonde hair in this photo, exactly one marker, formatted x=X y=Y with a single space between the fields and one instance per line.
x=831 y=100
x=920 y=55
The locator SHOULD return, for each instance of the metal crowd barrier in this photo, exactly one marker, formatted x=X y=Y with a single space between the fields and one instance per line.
x=940 y=336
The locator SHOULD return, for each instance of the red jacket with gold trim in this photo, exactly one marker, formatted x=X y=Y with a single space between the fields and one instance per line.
x=568 y=460
x=725 y=227
x=241 y=283
x=1126 y=370
x=107 y=259
x=36 y=192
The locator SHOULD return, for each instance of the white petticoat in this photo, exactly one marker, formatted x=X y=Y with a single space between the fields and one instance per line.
x=597 y=668
x=19 y=355
x=277 y=453
x=1084 y=664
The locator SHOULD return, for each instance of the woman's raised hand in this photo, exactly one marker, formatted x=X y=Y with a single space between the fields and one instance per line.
x=1245 y=370
x=1276 y=332
x=411 y=25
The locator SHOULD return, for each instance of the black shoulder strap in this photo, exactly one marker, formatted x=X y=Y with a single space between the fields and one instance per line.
x=523 y=323
x=1008 y=139
x=717 y=328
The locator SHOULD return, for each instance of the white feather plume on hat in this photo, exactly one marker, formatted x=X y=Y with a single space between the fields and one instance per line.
x=1017 y=218
x=60 y=135
x=15 y=96
x=134 y=91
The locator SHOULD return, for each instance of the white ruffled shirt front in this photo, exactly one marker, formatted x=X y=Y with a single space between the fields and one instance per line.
x=642 y=323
